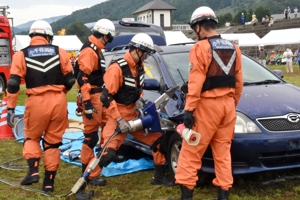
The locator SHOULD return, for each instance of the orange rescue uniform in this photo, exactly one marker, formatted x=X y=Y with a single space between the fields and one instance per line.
x=113 y=79
x=215 y=115
x=88 y=62
x=46 y=110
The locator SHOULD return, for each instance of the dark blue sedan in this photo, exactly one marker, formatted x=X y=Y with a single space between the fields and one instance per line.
x=267 y=129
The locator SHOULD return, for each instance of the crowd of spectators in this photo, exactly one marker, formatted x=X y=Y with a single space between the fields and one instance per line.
x=287 y=57
x=287 y=12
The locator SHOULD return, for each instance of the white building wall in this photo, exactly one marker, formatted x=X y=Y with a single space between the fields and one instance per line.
x=145 y=16
x=167 y=17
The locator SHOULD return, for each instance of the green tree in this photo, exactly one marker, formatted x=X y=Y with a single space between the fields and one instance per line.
x=249 y=15
x=261 y=12
x=78 y=28
x=237 y=17
x=224 y=18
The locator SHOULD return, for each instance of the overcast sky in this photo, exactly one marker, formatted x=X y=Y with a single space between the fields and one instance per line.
x=26 y=10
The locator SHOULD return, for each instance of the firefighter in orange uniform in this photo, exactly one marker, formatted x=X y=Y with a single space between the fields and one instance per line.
x=214 y=88
x=123 y=86
x=91 y=66
x=48 y=75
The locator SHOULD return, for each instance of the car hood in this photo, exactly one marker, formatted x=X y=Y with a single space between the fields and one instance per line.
x=269 y=100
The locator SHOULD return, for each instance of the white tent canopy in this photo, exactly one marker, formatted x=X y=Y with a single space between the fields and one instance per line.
x=176 y=37
x=244 y=39
x=285 y=36
x=67 y=42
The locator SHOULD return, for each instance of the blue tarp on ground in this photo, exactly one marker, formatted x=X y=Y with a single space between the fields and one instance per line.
x=73 y=148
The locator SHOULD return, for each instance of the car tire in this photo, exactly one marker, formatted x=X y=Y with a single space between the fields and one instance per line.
x=2 y=84
x=174 y=147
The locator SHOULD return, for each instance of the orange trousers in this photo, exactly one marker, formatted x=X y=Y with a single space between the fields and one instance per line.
x=90 y=126
x=215 y=121
x=128 y=113
x=45 y=114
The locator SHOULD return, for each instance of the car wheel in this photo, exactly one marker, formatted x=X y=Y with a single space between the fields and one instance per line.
x=2 y=84
x=173 y=152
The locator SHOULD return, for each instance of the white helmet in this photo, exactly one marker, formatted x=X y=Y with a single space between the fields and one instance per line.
x=143 y=41
x=203 y=13
x=105 y=27
x=41 y=27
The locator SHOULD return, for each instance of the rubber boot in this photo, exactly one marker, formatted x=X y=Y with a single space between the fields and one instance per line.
x=94 y=181
x=33 y=174
x=186 y=193
x=48 y=184
x=81 y=194
x=223 y=194
x=159 y=177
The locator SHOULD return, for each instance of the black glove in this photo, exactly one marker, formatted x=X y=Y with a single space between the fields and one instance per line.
x=10 y=117
x=188 y=119
x=89 y=109
x=124 y=126
x=107 y=158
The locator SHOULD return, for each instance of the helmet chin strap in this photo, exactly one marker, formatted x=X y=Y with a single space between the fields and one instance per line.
x=50 y=39
x=198 y=33
x=105 y=41
x=140 y=58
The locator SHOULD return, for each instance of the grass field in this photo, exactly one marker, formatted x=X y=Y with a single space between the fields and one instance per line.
x=272 y=185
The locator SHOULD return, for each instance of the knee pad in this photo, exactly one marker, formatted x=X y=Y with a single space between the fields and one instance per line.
x=160 y=145
x=93 y=141
x=50 y=146
x=107 y=158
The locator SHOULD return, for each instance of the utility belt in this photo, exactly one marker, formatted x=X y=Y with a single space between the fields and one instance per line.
x=96 y=90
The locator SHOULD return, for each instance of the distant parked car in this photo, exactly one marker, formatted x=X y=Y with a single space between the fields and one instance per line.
x=126 y=30
x=267 y=129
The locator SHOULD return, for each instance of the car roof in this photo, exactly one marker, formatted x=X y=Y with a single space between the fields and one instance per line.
x=90 y=25
x=160 y=49
x=173 y=48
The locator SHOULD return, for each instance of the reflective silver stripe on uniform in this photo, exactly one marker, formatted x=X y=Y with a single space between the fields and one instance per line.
x=102 y=63
x=40 y=63
x=42 y=66
x=226 y=68
x=93 y=46
x=142 y=78
x=129 y=81
x=122 y=62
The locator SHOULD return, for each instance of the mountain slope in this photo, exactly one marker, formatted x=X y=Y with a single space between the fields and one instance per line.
x=26 y=26
x=117 y=9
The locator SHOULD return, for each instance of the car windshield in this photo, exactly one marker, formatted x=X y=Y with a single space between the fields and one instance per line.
x=178 y=65
x=253 y=72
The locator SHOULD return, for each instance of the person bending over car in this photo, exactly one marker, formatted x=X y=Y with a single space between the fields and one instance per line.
x=214 y=88
x=121 y=94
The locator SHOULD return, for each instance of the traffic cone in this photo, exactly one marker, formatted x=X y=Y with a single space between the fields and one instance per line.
x=5 y=130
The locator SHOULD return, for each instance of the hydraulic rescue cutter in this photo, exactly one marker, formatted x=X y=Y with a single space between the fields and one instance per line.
x=149 y=120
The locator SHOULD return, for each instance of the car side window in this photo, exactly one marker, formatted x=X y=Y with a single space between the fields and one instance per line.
x=152 y=69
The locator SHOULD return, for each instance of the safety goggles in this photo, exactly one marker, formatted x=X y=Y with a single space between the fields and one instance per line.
x=145 y=54
x=110 y=38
